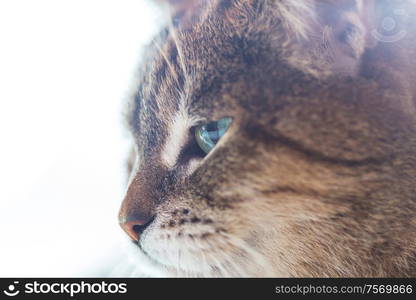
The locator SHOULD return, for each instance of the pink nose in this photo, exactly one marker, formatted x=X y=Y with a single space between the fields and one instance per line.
x=134 y=226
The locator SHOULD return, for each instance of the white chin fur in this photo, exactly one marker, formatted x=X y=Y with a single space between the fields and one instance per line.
x=224 y=256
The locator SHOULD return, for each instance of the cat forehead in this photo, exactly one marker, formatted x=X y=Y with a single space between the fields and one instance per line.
x=187 y=68
x=190 y=73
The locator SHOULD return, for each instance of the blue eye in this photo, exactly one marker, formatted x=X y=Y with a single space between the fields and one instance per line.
x=208 y=135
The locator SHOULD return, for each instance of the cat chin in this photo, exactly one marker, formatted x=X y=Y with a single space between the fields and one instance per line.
x=227 y=256
x=174 y=260
x=145 y=265
x=138 y=262
x=161 y=259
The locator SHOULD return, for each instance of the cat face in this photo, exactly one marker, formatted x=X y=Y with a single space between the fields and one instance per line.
x=258 y=155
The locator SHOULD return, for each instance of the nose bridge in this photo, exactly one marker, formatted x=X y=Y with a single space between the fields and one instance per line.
x=139 y=201
x=137 y=210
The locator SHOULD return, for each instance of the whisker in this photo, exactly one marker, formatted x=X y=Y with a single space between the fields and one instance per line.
x=179 y=49
x=169 y=64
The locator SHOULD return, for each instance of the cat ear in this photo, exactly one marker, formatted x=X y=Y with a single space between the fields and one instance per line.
x=350 y=23
x=182 y=11
x=338 y=30
x=179 y=6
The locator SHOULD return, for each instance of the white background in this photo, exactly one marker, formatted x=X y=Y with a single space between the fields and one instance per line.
x=65 y=68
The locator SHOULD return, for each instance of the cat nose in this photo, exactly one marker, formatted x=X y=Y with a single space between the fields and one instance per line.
x=135 y=225
x=138 y=209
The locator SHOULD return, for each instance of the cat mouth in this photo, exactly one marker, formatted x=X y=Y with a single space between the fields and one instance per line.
x=219 y=257
x=161 y=268
x=146 y=254
x=144 y=257
x=173 y=259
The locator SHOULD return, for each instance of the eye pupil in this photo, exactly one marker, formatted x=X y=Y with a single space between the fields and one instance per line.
x=208 y=135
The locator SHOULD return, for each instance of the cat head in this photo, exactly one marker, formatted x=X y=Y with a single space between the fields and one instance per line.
x=268 y=144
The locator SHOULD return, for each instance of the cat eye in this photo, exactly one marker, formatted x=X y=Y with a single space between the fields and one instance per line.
x=208 y=135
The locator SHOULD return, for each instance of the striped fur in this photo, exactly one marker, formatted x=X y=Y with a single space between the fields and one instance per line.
x=316 y=175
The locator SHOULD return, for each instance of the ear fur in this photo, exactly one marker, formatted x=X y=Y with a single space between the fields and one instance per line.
x=182 y=11
x=328 y=36
x=335 y=33
x=348 y=24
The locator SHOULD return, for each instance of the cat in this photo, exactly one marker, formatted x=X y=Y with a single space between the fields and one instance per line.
x=276 y=139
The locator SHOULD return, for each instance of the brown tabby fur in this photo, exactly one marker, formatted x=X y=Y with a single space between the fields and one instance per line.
x=316 y=175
